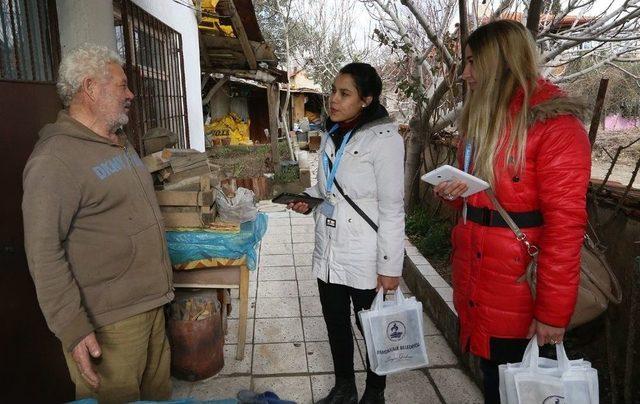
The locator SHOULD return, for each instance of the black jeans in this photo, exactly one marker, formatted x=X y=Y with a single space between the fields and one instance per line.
x=502 y=350
x=337 y=315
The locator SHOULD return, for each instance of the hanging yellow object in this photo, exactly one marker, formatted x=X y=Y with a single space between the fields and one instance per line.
x=230 y=126
x=213 y=24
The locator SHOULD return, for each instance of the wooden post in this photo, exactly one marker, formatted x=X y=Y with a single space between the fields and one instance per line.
x=273 y=101
x=597 y=111
x=238 y=28
x=244 y=308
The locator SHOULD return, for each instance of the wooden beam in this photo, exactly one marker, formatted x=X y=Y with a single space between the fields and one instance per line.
x=597 y=111
x=257 y=75
x=214 y=90
x=273 y=103
x=238 y=28
x=219 y=44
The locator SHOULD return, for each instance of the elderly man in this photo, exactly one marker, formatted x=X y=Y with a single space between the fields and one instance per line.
x=95 y=240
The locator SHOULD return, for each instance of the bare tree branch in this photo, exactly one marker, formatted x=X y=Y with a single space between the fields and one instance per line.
x=448 y=59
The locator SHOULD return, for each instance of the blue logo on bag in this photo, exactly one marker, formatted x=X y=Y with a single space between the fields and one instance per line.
x=395 y=331
x=553 y=400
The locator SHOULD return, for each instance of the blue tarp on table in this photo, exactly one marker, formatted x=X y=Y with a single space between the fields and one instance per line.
x=193 y=245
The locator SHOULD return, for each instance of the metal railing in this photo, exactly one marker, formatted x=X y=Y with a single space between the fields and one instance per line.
x=28 y=50
x=155 y=68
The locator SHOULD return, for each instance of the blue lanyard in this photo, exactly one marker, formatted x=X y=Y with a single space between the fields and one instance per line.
x=330 y=176
x=467 y=156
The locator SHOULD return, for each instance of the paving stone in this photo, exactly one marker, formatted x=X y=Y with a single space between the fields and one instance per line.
x=302 y=259
x=234 y=366
x=276 y=261
x=277 y=239
x=269 y=307
x=279 y=221
x=310 y=306
x=319 y=357
x=180 y=388
x=269 y=359
x=276 y=249
x=303 y=221
x=439 y=352
x=411 y=251
x=235 y=308
x=305 y=274
x=278 y=289
x=220 y=387
x=308 y=288
x=303 y=238
x=413 y=384
x=277 y=273
x=430 y=327
x=436 y=281
x=293 y=388
x=232 y=331
x=303 y=229
x=283 y=213
x=404 y=288
x=419 y=260
x=456 y=387
x=273 y=330
x=303 y=248
x=427 y=270
x=446 y=293
x=284 y=229
x=315 y=329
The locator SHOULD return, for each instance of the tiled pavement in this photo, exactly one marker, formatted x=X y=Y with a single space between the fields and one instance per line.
x=287 y=347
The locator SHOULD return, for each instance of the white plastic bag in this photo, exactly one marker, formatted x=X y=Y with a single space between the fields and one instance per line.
x=393 y=332
x=241 y=208
x=538 y=380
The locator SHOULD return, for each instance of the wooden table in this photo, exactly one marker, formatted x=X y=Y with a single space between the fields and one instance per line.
x=219 y=273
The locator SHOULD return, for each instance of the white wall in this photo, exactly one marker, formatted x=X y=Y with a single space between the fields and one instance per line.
x=183 y=20
x=81 y=21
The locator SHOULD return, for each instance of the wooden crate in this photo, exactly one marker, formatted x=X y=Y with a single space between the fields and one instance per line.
x=188 y=208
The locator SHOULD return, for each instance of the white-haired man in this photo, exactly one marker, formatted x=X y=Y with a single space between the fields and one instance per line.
x=95 y=240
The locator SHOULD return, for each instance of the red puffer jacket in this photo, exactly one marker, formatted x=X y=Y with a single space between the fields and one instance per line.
x=487 y=261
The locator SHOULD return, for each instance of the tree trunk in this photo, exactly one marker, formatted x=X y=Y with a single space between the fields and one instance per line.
x=414 y=147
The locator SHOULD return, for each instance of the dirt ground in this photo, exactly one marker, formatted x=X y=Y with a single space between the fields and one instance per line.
x=610 y=141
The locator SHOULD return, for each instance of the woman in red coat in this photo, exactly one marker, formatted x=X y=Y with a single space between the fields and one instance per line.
x=520 y=133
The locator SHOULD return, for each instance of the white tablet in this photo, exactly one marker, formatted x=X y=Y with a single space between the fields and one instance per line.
x=449 y=173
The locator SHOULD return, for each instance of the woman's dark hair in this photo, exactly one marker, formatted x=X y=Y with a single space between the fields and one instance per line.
x=368 y=82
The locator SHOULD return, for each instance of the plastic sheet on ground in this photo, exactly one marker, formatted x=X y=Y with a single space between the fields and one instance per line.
x=193 y=245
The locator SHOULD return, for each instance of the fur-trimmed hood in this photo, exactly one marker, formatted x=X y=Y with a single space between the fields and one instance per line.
x=563 y=105
x=549 y=101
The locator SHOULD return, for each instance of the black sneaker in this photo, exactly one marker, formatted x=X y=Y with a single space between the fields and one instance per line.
x=342 y=393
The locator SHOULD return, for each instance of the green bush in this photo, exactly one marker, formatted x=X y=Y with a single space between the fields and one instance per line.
x=431 y=235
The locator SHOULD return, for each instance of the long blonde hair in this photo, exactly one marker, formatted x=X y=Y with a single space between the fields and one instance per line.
x=505 y=59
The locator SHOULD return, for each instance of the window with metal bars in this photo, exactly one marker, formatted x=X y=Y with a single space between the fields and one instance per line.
x=155 y=69
x=28 y=40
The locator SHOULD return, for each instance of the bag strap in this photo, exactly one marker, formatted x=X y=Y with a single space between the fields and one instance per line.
x=352 y=203
x=533 y=251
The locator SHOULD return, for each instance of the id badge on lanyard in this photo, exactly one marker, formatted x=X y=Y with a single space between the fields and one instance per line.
x=327 y=207
x=467 y=164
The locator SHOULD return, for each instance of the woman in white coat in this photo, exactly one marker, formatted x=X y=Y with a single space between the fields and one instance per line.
x=359 y=236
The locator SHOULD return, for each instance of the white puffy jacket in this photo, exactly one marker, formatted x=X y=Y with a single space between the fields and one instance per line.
x=372 y=174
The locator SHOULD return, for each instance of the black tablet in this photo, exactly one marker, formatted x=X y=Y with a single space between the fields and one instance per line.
x=286 y=198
